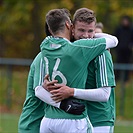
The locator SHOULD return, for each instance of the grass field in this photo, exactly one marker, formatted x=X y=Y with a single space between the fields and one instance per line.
x=9 y=122
x=124 y=126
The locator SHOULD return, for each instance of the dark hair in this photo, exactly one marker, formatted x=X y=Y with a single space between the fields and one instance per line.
x=47 y=30
x=127 y=18
x=56 y=19
x=84 y=15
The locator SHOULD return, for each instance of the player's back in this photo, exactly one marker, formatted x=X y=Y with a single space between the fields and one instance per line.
x=67 y=63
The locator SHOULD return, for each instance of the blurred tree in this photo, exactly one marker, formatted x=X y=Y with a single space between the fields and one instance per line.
x=36 y=26
x=14 y=17
x=22 y=21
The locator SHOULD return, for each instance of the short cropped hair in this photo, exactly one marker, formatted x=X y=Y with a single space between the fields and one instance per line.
x=84 y=15
x=56 y=19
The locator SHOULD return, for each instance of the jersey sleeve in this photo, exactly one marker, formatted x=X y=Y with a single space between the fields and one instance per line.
x=104 y=70
x=39 y=71
x=92 y=48
x=30 y=80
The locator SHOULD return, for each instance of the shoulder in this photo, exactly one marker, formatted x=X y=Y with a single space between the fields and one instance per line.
x=105 y=55
x=89 y=43
x=36 y=60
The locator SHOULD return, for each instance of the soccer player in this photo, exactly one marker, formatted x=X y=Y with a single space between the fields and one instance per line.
x=100 y=75
x=33 y=108
x=60 y=55
x=101 y=104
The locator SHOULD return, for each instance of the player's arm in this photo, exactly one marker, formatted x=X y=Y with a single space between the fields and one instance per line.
x=39 y=70
x=45 y=96
x=102 y=92
x=99 y=94
x=111 y=41
x=69 y=105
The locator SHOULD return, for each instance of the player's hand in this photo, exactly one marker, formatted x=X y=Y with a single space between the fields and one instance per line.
x=72 y=106
x=62 y=93
x=49 y=85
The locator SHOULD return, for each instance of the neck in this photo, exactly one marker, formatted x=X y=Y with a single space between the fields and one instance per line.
x=63 y=35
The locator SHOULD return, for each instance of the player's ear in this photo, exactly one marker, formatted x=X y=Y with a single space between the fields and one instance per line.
x=68 y=24
x=50 y=31
x=73 y=30
x=47 y=30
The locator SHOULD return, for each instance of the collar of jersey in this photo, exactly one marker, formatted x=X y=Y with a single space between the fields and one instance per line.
x=57 y=37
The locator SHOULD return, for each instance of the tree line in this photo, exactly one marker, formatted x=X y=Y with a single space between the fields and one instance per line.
x=22 y=21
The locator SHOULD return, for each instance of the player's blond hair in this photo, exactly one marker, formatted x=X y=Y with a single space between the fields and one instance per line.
x=84 y=15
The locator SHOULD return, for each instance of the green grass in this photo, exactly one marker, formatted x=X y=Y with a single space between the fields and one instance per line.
x=123 y=129
x=9 y=124
x=124 y=126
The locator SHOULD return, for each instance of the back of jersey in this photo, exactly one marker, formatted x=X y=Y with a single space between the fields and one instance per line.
x=64 y=62
x=67 y=63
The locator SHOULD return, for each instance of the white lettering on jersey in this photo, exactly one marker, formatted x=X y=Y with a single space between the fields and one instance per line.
x=55 y=71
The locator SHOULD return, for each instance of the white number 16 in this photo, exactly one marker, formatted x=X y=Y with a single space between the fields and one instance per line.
x=55 y=71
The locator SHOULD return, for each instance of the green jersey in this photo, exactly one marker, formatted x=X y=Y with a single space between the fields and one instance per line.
x=67 y=62
x=101 y=74
x=33 y=108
